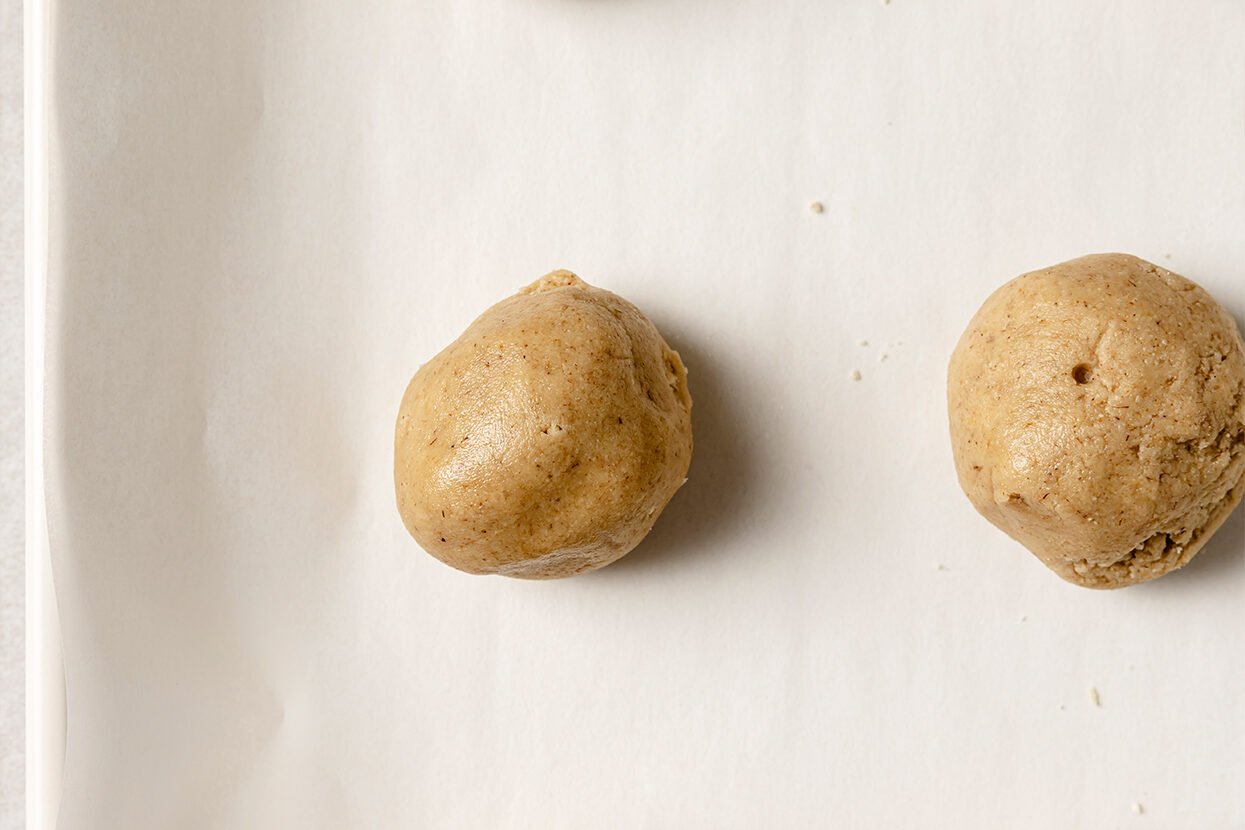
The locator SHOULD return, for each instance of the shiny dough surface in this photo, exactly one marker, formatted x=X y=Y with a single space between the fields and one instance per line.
x=547 y=439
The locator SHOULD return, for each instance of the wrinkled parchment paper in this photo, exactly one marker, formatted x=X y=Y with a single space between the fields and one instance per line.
x=265 y=215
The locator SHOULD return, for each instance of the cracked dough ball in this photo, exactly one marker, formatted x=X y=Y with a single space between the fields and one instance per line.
x=1098 y=417
x=547 y=439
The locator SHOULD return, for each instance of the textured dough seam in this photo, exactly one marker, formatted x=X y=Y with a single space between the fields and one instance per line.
x=1218 y=514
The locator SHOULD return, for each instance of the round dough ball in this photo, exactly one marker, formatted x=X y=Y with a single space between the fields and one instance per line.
x=546 y=440
x=1098 y=417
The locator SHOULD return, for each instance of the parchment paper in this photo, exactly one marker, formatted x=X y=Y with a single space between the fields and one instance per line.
x=267 y=214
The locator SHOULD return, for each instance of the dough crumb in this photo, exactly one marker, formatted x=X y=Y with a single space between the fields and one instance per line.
x=1138 y=809
x=817 y=207
x=854 y=374
x=1024 y=619
x=862 y=343
x=882 y=357
x=941 y=567
x=1093 y=697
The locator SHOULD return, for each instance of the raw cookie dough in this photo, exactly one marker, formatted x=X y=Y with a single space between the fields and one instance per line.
x=1098 y=417
x=547 y=439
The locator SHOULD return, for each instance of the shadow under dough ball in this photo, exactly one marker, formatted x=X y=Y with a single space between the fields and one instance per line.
x=546 y=440
x=1098 y=417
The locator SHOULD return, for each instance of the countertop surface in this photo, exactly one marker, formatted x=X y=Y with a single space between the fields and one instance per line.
x=11 y=413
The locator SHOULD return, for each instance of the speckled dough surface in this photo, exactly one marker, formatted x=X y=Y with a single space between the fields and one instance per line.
x=1097 y=415
x=547 y=439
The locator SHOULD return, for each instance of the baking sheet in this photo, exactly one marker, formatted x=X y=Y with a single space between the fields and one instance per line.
x=265 y=215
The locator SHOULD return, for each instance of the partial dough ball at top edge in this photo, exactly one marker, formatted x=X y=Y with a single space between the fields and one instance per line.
x=1097 y=413
x=547 y=439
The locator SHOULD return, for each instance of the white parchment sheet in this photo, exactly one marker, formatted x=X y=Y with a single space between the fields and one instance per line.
x=266 y=214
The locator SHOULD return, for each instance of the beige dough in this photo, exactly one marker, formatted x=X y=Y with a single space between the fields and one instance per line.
x=1098 y=417
x=547 y=439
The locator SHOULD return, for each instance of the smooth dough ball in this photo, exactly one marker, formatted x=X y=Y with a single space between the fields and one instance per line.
x=1098 y=417
x=547 y=439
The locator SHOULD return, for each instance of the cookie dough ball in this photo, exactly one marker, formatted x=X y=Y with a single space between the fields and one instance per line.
x=547 y=439
x=1098 y=417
